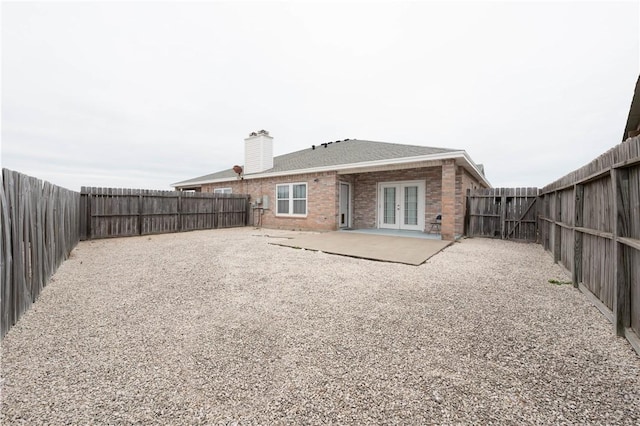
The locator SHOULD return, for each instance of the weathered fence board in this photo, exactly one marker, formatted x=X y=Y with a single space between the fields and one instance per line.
x=634 y=261
x=597 y=268
x=590 y=221
x=39 y=228
x=508 y=213
x=117 y=212
x=633 y=232
x=41 y=223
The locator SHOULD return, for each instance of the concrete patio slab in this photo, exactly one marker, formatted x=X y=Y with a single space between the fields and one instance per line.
x=411 y=251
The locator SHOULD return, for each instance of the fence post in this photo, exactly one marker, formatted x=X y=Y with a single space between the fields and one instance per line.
x=180 y=211
x=89 y=200
x=578 y=191
x=621 y=261
x=247 y=210
x=140 y=201
x=557 y=232
x=214 y=216
x=503 y=214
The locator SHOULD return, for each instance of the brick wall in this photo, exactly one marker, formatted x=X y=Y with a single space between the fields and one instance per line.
x=464 y=181
x=448 y=200
x=365 y=186
x=322 y=200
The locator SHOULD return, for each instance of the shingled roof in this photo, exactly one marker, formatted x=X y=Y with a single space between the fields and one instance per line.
x=633 y=120
x=348 y=151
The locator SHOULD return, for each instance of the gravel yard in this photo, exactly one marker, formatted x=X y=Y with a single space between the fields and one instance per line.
x=220 y=327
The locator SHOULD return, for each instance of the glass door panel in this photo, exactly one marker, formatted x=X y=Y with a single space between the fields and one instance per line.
x=389 y=197
x=410 y=205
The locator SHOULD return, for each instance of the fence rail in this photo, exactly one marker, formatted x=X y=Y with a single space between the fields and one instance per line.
x=117 y=212
x=507 y=213
x=590 y=222
x=41 y=223
x=38 y=230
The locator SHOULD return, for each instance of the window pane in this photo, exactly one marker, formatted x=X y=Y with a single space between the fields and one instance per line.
x=283 y=192
x=411 y=205
x=389 y=205
x=283 y=206
x=299 y=207
x=300 y=191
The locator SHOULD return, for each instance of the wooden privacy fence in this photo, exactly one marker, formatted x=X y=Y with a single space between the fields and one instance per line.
x=38 y=229
x=507 y=213
x=590 y=222
x=117 y=212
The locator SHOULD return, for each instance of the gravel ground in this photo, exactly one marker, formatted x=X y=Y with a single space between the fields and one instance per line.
x=219 y=327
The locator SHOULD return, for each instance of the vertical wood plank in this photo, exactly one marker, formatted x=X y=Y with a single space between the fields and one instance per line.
x=140 y=214
x=557 y=233
x=39 y=228
x=6 y=266
x=621 y=254
x=577 y=235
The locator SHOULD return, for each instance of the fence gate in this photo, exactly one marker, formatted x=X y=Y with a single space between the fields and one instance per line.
x=507 y=213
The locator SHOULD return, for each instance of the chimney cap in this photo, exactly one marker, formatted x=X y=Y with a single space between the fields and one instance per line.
x=259 y=132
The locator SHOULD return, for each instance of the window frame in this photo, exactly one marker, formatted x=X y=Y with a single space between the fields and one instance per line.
x=223 y=191
x=290 y=199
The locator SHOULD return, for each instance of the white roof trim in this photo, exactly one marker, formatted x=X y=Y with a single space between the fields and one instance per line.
x=478 y=174
x=344 y=167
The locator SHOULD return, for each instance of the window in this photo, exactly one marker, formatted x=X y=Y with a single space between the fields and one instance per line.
x=291 y=199
x=222 y=191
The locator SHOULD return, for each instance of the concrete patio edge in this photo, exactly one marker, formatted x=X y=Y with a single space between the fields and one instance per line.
x=410 y=251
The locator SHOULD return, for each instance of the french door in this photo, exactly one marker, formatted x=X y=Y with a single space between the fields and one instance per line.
x=401 y=205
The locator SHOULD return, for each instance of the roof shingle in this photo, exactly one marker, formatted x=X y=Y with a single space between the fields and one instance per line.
x=348 y=151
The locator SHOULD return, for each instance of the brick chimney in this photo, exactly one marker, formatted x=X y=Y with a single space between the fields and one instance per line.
x=258 y=152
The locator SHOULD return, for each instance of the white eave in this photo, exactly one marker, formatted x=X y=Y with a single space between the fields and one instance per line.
x=461 y=157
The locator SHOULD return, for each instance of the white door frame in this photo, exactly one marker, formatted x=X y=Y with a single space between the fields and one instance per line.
x=340 y=205
x=400 y=187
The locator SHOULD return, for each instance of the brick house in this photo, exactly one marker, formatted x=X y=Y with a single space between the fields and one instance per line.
x=350 y=184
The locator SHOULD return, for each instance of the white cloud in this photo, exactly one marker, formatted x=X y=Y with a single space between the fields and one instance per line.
x=146 y=94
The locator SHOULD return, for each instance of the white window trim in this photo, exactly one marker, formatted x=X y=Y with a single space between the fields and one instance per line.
x=291 y=199
x=222 y=191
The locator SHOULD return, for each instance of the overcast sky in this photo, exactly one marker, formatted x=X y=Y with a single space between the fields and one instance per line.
x=145 y=94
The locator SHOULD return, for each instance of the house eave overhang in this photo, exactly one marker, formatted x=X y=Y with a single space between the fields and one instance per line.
x=461 y=158
x=472 y=168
